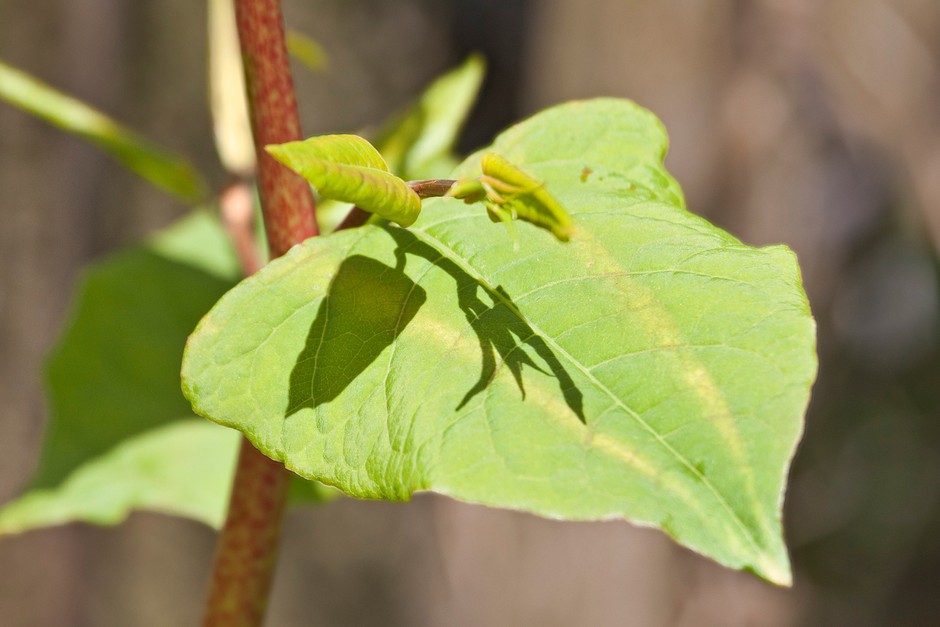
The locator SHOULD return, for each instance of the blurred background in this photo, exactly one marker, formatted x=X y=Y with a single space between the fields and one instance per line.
x=814 y=123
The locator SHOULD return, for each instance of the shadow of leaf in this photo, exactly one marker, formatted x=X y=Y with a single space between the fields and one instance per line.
x=499 y=329
x=366 y=306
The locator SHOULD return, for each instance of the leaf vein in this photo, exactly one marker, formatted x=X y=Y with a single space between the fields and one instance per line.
x=720 y=498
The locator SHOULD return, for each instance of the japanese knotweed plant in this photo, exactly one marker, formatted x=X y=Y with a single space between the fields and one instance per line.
x=651 y=368
x=609 y=356
x=121 y=437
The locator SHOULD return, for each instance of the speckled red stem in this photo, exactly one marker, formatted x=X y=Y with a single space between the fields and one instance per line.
x=285 y=197
x=248 y=545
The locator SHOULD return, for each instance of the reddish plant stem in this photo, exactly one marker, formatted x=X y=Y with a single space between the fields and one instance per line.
x=431 y=188
x=286 y=201
x=357 y=216
x=236 y=206
x=248 y=544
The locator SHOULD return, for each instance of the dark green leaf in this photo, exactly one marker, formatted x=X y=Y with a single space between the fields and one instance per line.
x=120 y=434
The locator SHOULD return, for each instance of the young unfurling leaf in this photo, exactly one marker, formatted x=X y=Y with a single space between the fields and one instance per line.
x=509 y=193
x=350 y=169
x=511 y=189
x=467 y=190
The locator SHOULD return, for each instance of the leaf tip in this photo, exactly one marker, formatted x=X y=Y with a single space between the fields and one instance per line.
x=476 y=61
x=287 y=154
x=277 y=151
x=775 y=569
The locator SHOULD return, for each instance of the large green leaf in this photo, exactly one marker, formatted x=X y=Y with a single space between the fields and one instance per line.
x=111 y=376
x=168 y=171
x=120 y=435
x=653 y=368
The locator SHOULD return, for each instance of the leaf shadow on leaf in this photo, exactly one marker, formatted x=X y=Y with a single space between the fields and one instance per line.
x=366 y=306
x=499 y=329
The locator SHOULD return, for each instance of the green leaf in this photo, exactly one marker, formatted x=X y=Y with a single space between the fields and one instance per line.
x=112 y=376
x=120 y=434
x=167 y=171
x=350 y=169
x=515 y=194
x=653 y=369
x=306 y=50
x=419 y=143
x=183 y=468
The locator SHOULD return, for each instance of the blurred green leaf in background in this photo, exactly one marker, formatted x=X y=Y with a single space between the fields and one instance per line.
x=164 y=169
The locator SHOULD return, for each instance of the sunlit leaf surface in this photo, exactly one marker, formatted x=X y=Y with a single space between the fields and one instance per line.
x=653 y=368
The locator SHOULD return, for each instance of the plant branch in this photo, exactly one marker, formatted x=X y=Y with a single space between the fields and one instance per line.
x=431 y=188
x=236 y=207
x=248 y=544
x=428 y=188
x=286 y=201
